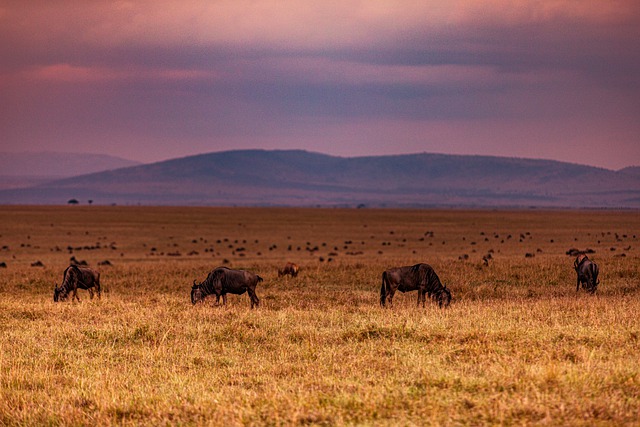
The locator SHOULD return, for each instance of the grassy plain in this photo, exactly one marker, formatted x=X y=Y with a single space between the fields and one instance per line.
x=517 y=346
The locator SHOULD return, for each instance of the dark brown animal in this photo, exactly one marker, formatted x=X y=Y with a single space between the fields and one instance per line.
x=419 y=277
x=74 y=261
x=587 y=272
x=74 y=278
x=290 y=268
x=223 y=281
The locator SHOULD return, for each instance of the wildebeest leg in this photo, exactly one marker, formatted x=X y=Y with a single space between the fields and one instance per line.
x=390 y=297
x=75 y=295
x=254 y=298
x=90 y=293
x=578 y=285
x=224 y=299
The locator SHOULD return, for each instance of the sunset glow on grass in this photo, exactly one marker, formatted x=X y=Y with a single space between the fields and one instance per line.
x=517 y=346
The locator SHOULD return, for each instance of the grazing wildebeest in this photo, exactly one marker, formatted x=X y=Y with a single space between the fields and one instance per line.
x=420 y=277
x=74 y=261
x=74 y=278
x=289 y=268
x=587 y=271
x=223 y=281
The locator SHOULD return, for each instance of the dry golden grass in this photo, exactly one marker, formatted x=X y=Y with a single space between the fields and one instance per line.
x=517 y=346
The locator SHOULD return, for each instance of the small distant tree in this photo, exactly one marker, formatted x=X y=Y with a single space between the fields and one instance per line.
x=90 y=201
x=72 y=202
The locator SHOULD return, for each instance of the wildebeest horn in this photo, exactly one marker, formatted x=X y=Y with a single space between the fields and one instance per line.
x=195 y=285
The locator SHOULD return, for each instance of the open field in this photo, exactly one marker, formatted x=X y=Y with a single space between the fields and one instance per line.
x=517 y=346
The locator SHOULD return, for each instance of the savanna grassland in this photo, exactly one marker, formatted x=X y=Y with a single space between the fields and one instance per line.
x=517 y=346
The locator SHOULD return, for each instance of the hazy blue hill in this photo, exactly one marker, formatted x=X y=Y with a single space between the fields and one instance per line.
x=58 y=164
x=295 y=177
x=631 y=170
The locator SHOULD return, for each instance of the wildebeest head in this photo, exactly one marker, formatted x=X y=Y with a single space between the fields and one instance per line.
x=59 y=294
x=443 y=297
x=196 y=293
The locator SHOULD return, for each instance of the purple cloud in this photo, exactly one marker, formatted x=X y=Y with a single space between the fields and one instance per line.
x=152 y=80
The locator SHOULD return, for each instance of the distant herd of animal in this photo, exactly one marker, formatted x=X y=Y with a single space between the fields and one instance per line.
x=223 y=280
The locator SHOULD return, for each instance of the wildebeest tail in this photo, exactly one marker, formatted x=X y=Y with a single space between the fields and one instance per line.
x=98 y=285
x=595 y=271
x=259 y=278
x=383 y=289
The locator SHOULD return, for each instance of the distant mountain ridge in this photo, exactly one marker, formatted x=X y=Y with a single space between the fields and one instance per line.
x=20 y=170
x=302 y=178
x=58 y=164
x=631 y=170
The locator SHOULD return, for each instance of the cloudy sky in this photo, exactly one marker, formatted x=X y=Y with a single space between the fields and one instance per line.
x=152 y=80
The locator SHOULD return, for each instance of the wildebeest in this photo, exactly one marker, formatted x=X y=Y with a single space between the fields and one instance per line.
x=420 y=277
x=74 y=278
x=74 y=261
x=222 y=281
x=289 y=268
x=587 y=271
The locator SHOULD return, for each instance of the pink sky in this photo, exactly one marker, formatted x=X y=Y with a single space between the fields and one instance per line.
x=151 y=80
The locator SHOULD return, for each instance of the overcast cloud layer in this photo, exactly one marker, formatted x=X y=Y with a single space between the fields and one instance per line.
x=151 y=80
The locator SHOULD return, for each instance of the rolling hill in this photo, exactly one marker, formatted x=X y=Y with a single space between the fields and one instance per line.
x=631 y=170
x=301 y=178
x=18 y=170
